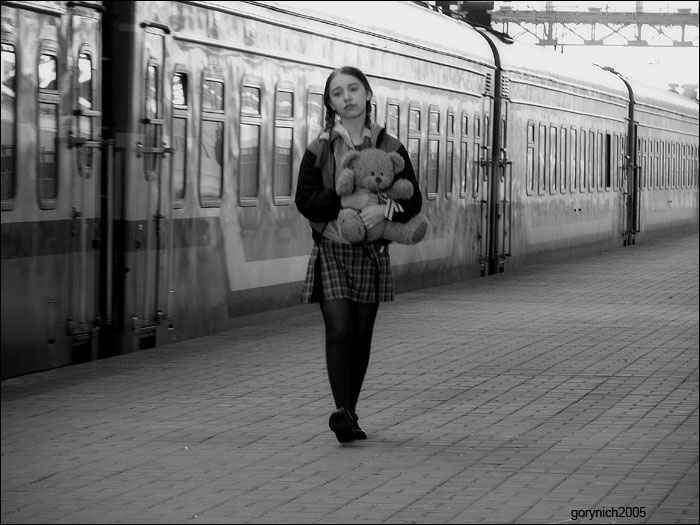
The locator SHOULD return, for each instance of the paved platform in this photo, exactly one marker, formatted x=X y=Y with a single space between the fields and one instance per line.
x=563 y=393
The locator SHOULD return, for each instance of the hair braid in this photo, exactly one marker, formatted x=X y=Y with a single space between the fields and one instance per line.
x=330 y=120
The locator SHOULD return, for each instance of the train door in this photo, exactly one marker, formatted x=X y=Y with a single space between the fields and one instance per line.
x=84 y=144
x=632 y=186
x=502 y=178
x=482 y=156
x=151 y=257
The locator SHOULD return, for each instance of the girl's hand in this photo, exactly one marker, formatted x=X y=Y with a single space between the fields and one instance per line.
x=359 y=200
x=372 y=215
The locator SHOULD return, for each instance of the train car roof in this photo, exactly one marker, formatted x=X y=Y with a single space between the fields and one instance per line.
x=403 y=22
x=663 y=98
x=548 y=64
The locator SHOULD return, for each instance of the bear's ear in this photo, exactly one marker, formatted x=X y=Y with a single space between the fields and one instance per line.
x=398 y=162
x=349 y=158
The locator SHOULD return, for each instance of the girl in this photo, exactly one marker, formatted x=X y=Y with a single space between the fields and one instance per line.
x=348 y=280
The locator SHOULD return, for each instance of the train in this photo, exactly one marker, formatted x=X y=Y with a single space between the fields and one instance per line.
x=150 y=152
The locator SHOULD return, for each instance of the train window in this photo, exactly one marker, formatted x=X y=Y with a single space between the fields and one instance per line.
x=645 y=182
x=671 y=164
x=152 y=92
x=582 y=160
x=663 y=176
x=47 y=175
x=675 y=155
x=47 y=72
x=250 y=145
x=552 y=167
x=282 y=185
x=284 y=139
x=573 y=145
x=667 y=166
x=600 y=161
x=690 y=171
x=542 y=159
x=414 y=139
x=433 y=167
x=9 y=124
x=657 y=164
x=449 y=153
x=85 y=94
x=464 y=172
x=413 y=120
x=476 y=163
x=314 y=115
x=623 y=161
x=179 y=158
x=85 y=85
x=180 y=94
x=653 y=168
x=590 y=161
x=179 y=138
x=449 y=167
x=392 y=119
x=434 y=121
x=48 y=134
x=414 y=155
x=284 y=105
x=530 y=163
x=464 y=157
x=211 y=142
x=613 y=161
x=674 y=163
x=213 y=95
x=563 y=161
x=642 y=161
x=650 y=164
x=211 y=161
x=433 y=152
x=607 y=161
x=616 y=162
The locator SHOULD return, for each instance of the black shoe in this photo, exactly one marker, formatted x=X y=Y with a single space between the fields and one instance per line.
x=359 y=433
x=341 y=423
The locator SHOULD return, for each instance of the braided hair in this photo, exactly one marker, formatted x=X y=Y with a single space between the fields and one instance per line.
x=330 y=112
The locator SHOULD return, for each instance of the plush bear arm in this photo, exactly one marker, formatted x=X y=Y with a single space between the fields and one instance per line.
x=401 y=189
x=345 y=185
x=411 y=206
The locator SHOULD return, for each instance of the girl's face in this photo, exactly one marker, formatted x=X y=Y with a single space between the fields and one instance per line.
x=348 y=97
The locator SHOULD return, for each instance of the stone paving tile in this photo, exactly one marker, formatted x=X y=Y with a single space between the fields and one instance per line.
x=529 y=397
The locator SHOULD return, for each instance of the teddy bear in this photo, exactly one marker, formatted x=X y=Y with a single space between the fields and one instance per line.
x=373 y=169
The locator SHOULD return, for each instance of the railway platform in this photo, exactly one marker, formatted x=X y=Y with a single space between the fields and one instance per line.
x=563 y=393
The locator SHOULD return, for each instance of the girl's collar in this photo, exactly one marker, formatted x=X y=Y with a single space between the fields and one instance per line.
x=339 y=130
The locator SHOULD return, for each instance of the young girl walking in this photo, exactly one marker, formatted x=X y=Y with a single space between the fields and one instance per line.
x=348 y=280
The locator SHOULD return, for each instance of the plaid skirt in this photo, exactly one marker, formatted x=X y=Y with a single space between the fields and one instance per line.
x=358 y=272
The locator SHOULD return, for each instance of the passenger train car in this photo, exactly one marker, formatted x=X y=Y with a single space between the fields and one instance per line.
x=150 y=152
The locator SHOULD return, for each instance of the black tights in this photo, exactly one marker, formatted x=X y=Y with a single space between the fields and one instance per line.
x=349 y=327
